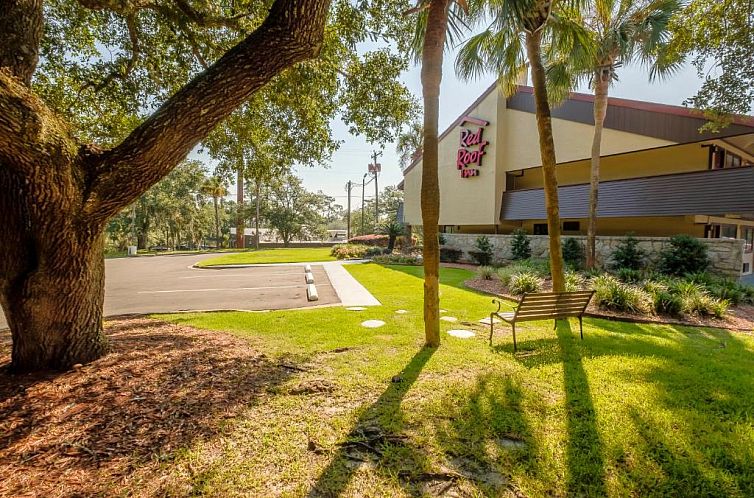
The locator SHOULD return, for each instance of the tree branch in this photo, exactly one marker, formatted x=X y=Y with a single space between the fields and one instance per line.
x=117 y=73
x=20 y=33
x=292 y=32
x=31 y=135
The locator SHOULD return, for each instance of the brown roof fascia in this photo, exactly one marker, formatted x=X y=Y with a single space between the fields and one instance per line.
x=642 y=105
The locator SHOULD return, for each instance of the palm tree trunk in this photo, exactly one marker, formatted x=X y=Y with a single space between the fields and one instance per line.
x=240 y=225
x=256 y=219
x=217 y=223
x=547 y=153
x=431 y=76
x=600 y=111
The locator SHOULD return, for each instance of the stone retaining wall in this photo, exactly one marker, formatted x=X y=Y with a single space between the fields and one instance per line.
x=726 y=255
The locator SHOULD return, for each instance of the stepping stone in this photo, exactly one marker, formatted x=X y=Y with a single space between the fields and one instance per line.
x=443 y=311
x=461 y=334
x=486 y=321
x=372 y=324
x=401 y=312
x=448 y=319
x=356 y=308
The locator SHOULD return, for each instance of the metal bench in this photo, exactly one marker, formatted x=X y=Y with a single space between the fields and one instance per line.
x=543 y=306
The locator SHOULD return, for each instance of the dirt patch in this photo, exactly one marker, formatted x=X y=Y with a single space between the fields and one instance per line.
x=739 y=318
x=114 y=422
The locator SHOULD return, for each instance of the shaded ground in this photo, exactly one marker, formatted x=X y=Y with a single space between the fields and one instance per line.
x=334 y=409
x=120 y=419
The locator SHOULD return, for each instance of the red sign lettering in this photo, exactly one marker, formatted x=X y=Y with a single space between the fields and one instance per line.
x=469 y=138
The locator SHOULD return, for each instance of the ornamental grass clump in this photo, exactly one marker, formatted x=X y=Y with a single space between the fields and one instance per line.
x=485 y=272
x=611 y=293
x=524 y=282
x=574 y=281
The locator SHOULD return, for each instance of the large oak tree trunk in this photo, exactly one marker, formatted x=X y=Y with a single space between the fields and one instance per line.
x=57 y=194
x=55 y=310
x=600 y=111
x=547 y=153
x=431 y=76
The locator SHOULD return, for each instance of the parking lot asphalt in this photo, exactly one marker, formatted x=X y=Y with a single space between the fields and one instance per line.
x=161 y=284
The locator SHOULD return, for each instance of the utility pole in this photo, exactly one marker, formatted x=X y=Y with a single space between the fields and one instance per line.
x=349 y=185
x=375 y=168
x=363 y=188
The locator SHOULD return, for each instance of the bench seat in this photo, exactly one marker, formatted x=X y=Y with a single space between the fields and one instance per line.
x=543 y=306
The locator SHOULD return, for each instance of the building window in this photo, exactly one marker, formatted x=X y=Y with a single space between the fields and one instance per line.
x=749 y=238
x=728 y=231
x=540 y=229
x=746 y=268
x=571 y=226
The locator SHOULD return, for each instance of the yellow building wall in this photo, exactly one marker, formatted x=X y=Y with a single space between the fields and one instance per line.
x=463 y=201
x=665 y=160
x=514 y=145
x=573 y=141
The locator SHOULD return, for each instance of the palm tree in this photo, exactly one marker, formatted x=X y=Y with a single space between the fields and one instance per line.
x=622 y=31
x=429 y=44
x=215 y=188
x=517 y=32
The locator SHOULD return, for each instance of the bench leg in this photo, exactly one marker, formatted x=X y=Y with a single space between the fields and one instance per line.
x=581 y=327
x=555 y=324
x=492 y=327
x=513 y=326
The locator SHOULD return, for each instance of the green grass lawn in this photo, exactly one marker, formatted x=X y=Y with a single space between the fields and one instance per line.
x=632 y=410
x=283 y=255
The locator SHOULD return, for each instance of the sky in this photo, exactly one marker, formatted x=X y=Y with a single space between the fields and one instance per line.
x=351 y=160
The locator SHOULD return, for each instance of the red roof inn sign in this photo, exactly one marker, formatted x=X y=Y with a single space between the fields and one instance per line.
x=471 y=151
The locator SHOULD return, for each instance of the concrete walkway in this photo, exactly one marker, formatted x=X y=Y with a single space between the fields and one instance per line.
x=349 y=290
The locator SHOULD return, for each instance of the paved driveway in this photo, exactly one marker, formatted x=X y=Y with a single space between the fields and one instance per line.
x=168 y=283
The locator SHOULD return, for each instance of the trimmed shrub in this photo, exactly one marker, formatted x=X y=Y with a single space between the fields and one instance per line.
x=628 y=275
x=524 y=282
x=372 y=239
x=485 y=272
x=520 y=247
x=628 y=254
x=573 y=253
x=684 y=255
x=349 y=251
x=612 y=294
x=374 y=251
x=483 y=254
x=573 y=281
x=448 y=255
x=397 y=259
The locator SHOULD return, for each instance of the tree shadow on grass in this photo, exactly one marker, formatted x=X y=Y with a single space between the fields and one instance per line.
x=586 y=472
x=115 y=421
x=375 y=440
x=688 y=398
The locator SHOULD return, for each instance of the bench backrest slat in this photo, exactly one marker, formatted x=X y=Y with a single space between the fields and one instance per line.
x=542 y=305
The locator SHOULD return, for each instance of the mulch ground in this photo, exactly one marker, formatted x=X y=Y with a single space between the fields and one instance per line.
x=739 y=318
x=114 y=422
